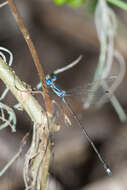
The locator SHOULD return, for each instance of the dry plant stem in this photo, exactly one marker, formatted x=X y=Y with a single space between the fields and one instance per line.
x=45 y=167
x=48 y=104
x=33 y=52
x=16 y=155
x=36 y=155
x=3 y=4
x=33 y=109
x=28 y=102
x=27 y=38
x=10 y=121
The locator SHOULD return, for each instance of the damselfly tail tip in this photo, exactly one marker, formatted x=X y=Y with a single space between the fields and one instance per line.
x=108 y=171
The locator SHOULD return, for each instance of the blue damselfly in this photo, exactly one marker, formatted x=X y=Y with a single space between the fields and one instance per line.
x=50 y=81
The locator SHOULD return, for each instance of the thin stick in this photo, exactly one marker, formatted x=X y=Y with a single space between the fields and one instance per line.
x=69 y=66
x=3 y=4
x=27 y=38
x=33 y=52
x=16 y=156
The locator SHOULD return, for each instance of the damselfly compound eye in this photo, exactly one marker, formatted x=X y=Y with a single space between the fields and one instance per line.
x=48 y=82
x=54 y=77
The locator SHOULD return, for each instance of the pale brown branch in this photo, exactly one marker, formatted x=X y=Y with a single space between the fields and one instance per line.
x=35 y=112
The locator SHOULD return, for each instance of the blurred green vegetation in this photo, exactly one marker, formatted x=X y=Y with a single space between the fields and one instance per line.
x=91 y=4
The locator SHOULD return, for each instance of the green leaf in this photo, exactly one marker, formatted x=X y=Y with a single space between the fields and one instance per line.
x=60 y=2
x=76 y=3
x=119 y=3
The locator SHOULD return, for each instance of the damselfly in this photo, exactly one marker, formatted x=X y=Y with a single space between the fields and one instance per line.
x=50 y=81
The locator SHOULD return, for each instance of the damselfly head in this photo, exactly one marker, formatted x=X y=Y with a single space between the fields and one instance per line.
x=48 y=82
x=50 y=78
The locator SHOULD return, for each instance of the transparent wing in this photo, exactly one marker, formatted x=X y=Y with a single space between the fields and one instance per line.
x=61 y=115
x=90 y=88
x=92 y=93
